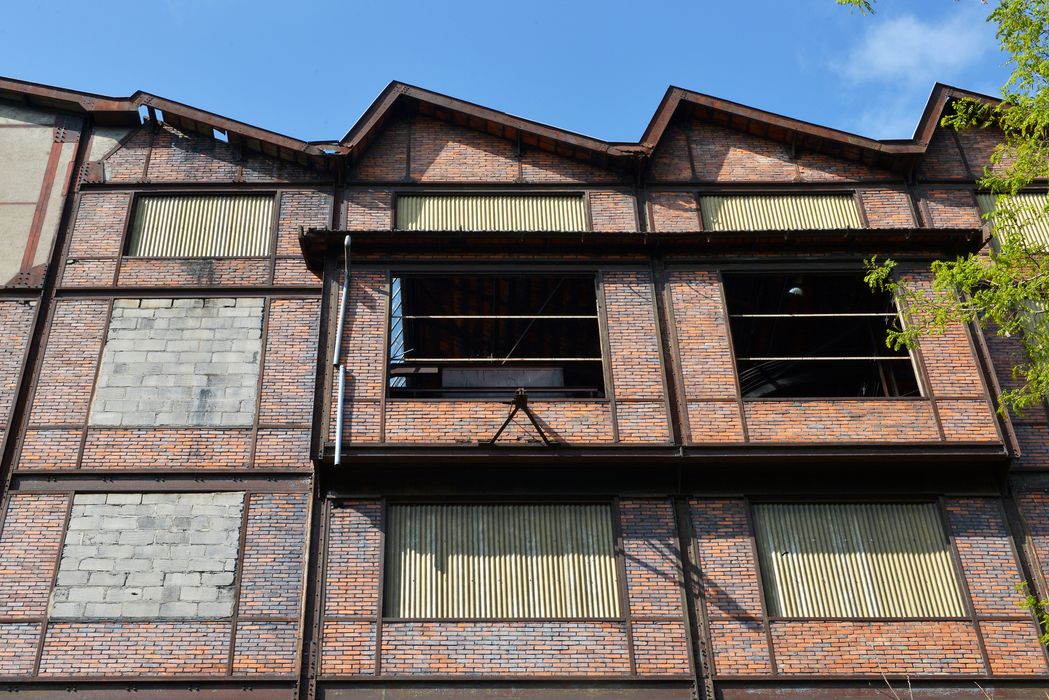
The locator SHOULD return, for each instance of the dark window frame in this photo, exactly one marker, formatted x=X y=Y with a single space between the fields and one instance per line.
x=600 y=392
x=910 y=356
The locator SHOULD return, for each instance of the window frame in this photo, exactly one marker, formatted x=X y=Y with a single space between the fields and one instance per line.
x=618 y=555
x=964 y=594
x=136 y=195
x=487 y=191
x=913 y=354
x=505 y=393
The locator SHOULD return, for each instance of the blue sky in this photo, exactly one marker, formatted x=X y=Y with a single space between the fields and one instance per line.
x=309 y=68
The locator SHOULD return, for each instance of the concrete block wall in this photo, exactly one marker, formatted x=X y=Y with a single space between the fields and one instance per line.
x=62 y=552
x=129 y=555
x=147 y=414
x=169 y=362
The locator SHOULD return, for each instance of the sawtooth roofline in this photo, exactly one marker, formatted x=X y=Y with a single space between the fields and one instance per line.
x=125 y=110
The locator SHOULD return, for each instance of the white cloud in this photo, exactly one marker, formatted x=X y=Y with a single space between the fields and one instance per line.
x=912 y=51
x=889 y=117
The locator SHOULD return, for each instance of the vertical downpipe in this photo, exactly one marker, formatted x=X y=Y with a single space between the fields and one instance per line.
x=337 y=358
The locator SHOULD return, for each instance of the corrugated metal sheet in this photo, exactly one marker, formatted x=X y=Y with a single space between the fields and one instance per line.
x=485 y=561
x=1030 y=216
x=490 y=213
x=202 y=226
x=779 y=212
x=856 y=560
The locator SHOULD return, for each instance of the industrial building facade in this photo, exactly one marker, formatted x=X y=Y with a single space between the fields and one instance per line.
x=463 y=405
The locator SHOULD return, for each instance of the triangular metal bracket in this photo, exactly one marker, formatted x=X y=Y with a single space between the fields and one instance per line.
x=520 y=403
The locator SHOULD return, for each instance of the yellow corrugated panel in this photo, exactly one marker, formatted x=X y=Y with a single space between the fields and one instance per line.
x=1030 y=216
x=488 y=561
x=856 y=560
x=779 y=212
x=198 y=226
x=490 y=213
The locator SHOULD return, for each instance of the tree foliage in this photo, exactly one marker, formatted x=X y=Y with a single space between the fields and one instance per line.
x=1005 y=288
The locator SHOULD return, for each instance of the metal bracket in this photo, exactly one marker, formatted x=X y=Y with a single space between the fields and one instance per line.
x=520 y=403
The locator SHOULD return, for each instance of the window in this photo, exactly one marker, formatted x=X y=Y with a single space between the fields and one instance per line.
x=814 y=335
x=491 y=213
x=496 y=561
x=487 y=335
x=779 y=212
x=199 y=226
x=856 y=560
x=1030 y=218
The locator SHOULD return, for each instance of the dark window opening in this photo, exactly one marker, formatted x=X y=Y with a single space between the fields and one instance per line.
x=484 y=336
x=815 y=335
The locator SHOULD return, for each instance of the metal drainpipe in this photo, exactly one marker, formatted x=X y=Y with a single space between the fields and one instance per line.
x=341 y=406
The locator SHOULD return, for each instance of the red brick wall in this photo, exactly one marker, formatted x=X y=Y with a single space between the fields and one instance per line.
x=873 y=648
x=720 y=154
x=67 y=374
x=287 y=390
x=354 y=558
x=274 y=555
x=266 y=648
x=32 y=535
x=730 y=581
x=652 y=555
x=674 y=211
x=852 y=420
x=466 y=422
x=160 y=648
x=657 y=620
x=444 y=152
x=887 y=207
x=177 y=157
x=707 y=367
x=947 y=208
x=67 y=378
x=637 y=381
x=612 y=211
x=942 y=160
x=531 y=649
x=730 y=585
x=16 y=319
x=18 y=642
x=232 y=272
x=635 y=356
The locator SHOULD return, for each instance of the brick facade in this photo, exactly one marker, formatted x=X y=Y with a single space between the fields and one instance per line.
x=673 y=446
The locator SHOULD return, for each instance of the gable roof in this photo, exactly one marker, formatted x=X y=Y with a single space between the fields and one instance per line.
x=398 y=96
x=887 y=153
x=124 y=111
x=535 y=134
